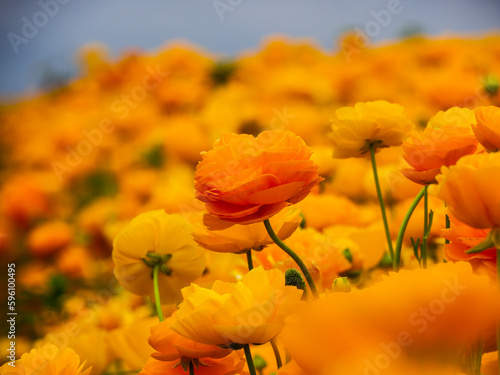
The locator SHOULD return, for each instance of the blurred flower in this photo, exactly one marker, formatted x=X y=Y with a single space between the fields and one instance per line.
x=340 y=210
x=245 y=180
x=380 y=123
x=486 y=127
x=455 y=116
x=242 y=238
x=412 y=313
x=50 y=237
x=47 y=360
x=470 y=190
x=25 y=198
x=426 y=152
x=75 y=262
x=156 y=234
x=250 y=311
x=232 y=364
x=129 y=342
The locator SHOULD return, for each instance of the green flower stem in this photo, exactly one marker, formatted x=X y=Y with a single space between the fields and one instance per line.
x=399 y=241
x=276 y=353
x=448 y=225
x=294 y=256
x=248 y=355
x=249 y=260
x=381 y=200
x=423 y=254
x=191 y=368
x=157 y=292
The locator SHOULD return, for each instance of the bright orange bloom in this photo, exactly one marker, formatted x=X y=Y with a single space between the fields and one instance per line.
x=462 y=238
x=231 y=365
x=426 y=152
x=252 y=311
x=246 y=180
x=172 y=347
x=380 y=123
x=470 y=189
x=47 y=360
x=487 y=129
x=242 y=238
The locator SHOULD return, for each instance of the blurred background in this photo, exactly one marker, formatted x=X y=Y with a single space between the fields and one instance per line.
x=42 y=37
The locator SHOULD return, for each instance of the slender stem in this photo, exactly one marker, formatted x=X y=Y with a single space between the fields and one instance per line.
x=294 y=256
x=276 y=353
x=402 y=229
x=249 y=260
x=448 y=225
x=381 y=201
x=248 y=355
x=191 y=368
x=157 y=291
x=423 y=254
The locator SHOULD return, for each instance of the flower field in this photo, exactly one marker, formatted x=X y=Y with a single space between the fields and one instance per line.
x=286 y=211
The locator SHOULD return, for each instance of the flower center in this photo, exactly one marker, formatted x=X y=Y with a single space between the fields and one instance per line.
x=152 y=259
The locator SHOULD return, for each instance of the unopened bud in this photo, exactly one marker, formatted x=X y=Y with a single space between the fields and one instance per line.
x=293 y=277
x=341 y=285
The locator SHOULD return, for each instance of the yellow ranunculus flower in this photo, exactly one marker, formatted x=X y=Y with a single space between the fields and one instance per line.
x=455 y=116
x=47 y=360
x=242 y=238
x=153 y=235
x=380 y=123
x=251 y=311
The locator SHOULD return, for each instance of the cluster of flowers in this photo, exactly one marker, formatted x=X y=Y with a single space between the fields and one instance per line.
x=264 y=254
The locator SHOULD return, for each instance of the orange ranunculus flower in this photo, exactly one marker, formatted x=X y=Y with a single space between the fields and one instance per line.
x=149 y=237
x=246 y=180
x=380 y=123
x=242 y=238
x=470 y=190
x=414 y=313
x=487 y=129
x=172 y=347
x=426 y=152
x=233 y=364
x=47 y=360
x=252 y=311
x=50 y=237
x=462 y=238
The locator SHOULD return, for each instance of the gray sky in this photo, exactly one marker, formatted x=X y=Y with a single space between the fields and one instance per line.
x=34 y=33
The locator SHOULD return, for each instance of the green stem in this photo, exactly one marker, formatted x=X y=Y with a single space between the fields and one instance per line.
x=294 y=256
x=191 y=368
x=248 y=355
x=423 y=254
x=276 y=353
x=448 y=225
x=402 y=229
x=249 y=260
x=381 y=201
x=157 y=291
